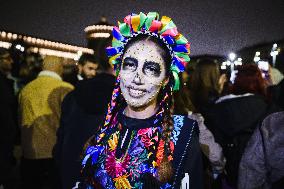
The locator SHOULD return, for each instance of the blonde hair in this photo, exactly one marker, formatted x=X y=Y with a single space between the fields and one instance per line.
x=53 y=63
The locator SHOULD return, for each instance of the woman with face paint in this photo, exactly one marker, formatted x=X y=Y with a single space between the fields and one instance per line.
x=142 y=144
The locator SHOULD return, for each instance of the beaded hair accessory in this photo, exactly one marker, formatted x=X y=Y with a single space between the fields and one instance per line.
x=149 y=24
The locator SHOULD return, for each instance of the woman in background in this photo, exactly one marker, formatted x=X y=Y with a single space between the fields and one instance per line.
x=205 y=84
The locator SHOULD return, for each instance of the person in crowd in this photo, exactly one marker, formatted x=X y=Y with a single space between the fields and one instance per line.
x=7 y=120
x=262 y=164
x=40 y=107
x=234 y=117
x=70 y=73
x=87 y=65
x=83 y=110
x=30 y=67
x=276 y=89
x=279 y=62
x=211 y=150
x=141 y=144
x=276 y=76
x=279 y=97
x=205 y=84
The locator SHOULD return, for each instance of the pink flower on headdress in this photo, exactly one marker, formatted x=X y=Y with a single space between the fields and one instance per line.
x=116 y=167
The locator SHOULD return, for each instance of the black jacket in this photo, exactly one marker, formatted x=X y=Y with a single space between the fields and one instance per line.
x=277 y=94
x=83 y=111
x=232 y=116
x=232 y=122
x=7 y=125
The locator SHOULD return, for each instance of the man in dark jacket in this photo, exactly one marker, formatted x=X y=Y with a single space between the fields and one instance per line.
x=83 y=110
x=7 y=119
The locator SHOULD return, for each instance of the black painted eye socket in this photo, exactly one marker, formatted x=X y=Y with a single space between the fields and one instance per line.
x=130 y=63
x=152 y=69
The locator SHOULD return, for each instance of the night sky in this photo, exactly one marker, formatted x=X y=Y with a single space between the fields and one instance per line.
x=212 y=26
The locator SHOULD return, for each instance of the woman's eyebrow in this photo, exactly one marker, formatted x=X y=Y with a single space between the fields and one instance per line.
x=131 y=59
x=152 y=62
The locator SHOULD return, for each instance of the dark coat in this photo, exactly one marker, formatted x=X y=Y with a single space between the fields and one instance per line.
x=7 y=125
x=277 y=94
x=232 y=122
x=83 y=111
x=281 y=94
x=263 y=160
x=232 y=116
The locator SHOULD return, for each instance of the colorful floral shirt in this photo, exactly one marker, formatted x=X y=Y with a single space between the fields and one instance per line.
x=139 y=153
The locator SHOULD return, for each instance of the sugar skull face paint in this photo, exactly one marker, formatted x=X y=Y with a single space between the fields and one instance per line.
x=142 y=73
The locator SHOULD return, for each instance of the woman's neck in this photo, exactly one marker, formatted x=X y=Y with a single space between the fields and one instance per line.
x=141 y=112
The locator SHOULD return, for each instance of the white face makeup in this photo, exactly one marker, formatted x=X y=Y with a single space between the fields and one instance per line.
x=142 y=73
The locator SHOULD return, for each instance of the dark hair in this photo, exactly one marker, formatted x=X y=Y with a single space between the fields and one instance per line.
x=84 y=58
x=203 y=83
x=30 y=67
x=182 y=101
x=249 y=80
x=100 y=52
x=279 y=62
x=70 y=72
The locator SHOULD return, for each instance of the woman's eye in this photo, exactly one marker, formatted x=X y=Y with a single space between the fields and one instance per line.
x=129 y=64
x=152 y=69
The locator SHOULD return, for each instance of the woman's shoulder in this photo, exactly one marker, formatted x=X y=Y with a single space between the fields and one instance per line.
x=184 y=128
x=183 y=120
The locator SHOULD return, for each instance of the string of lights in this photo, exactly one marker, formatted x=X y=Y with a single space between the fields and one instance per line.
x=42 y=46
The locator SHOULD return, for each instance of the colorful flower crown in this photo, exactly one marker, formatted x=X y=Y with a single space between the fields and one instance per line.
x=149 y=24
